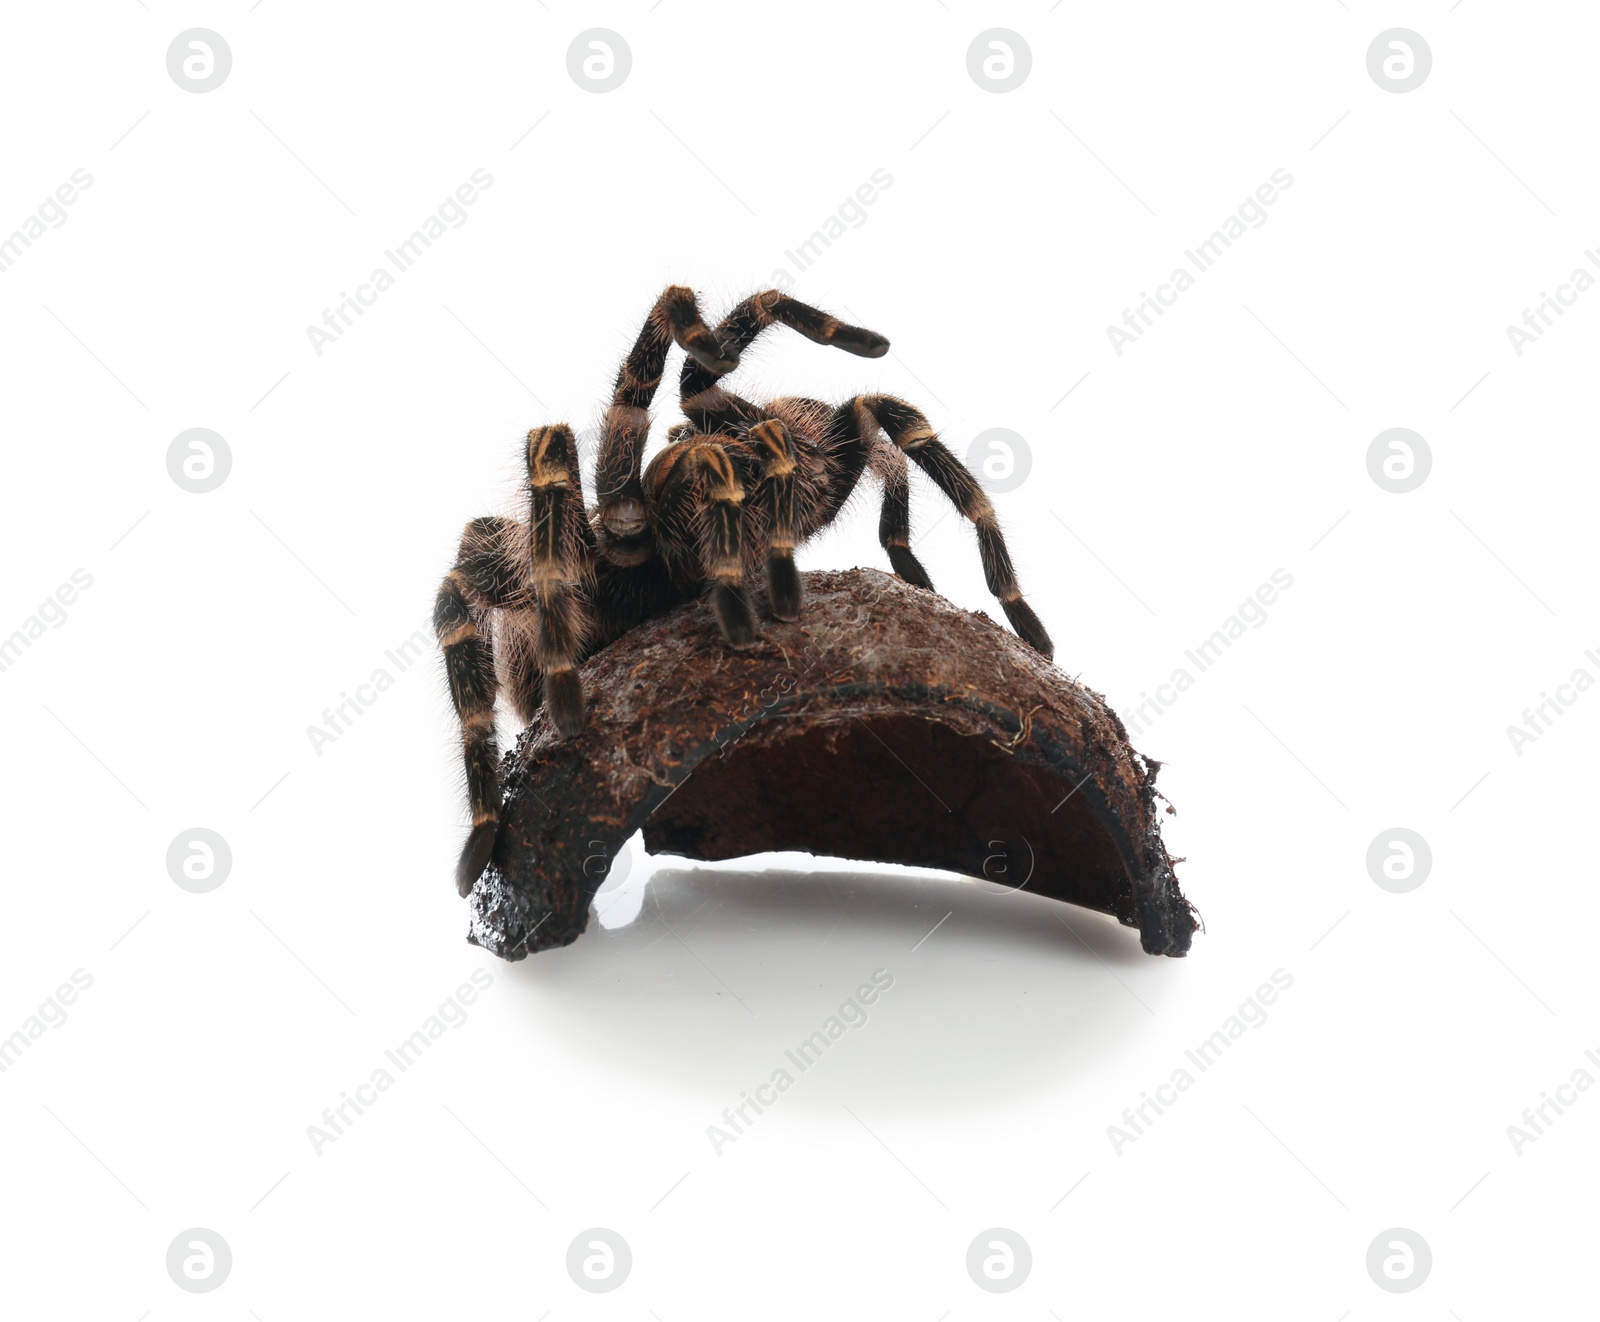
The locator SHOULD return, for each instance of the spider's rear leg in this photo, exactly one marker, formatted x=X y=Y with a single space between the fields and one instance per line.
x=894 y=521
x=911 y=432
x=777 y=493
x=557 y=548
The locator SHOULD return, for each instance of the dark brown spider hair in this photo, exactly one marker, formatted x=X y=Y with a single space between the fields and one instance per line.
x=737 y=488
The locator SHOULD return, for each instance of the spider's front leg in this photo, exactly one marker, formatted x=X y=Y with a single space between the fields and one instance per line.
x=698 y=490
x=622 y=525
x=713 y=409
x=724 y=545
x=482 y=581
x=777 y=493
x=561 y=565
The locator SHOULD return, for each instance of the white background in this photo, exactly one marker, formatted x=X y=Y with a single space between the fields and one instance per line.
x=1166 y=484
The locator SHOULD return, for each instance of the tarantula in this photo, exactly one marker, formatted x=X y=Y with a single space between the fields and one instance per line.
x=737 y=485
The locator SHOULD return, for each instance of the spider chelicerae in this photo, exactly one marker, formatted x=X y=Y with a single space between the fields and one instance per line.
x=737 y=488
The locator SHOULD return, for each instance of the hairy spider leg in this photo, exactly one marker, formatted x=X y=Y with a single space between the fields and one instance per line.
x=696 y=482
x=479 y=582
x=776 y=492
x=675 y=319
x=713 y=409
x=912 y=433
x=558 y=567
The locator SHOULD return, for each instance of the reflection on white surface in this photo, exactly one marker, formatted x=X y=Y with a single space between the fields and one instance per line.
x=724 y=971
x=621 y=896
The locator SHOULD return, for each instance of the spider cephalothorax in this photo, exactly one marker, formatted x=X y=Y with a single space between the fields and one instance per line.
x=738 y=487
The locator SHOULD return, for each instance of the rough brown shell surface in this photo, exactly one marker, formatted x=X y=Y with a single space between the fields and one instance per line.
x=885 y=725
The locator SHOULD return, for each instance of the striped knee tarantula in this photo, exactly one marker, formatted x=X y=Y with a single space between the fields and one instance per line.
x=738 y=486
